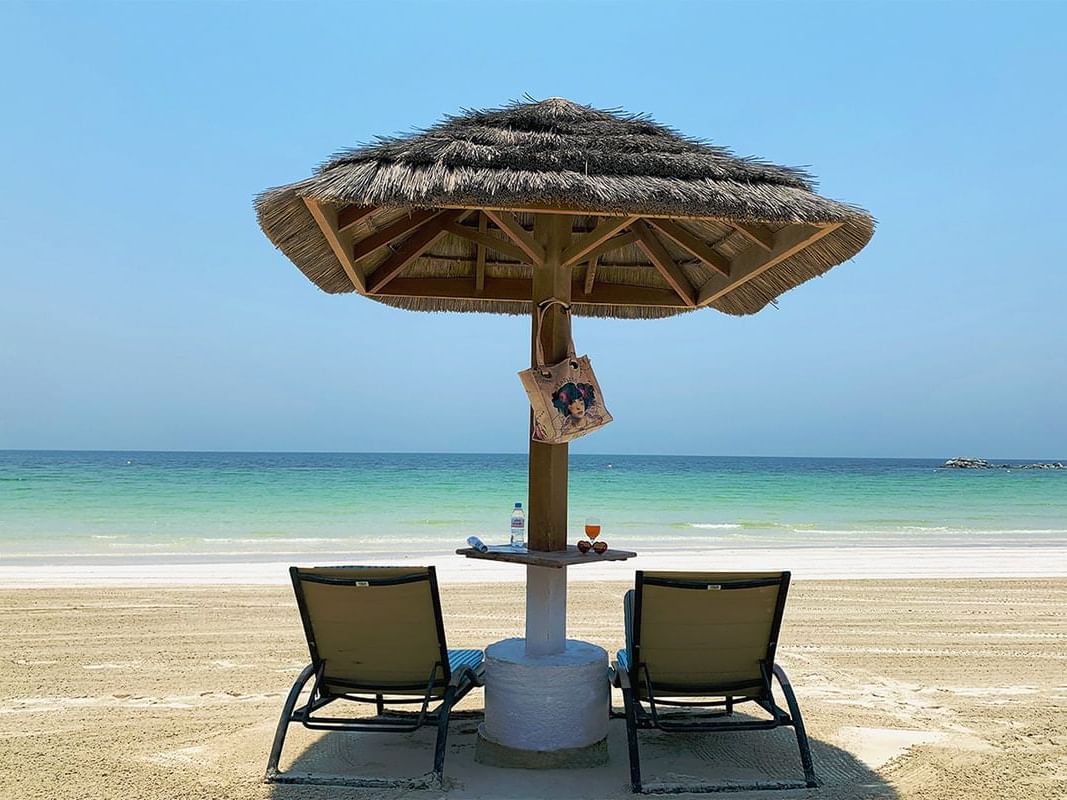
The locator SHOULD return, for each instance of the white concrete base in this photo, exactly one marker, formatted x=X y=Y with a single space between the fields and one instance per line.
x=488 y=752
x=546 y=702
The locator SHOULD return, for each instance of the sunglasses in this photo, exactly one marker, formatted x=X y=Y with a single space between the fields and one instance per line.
x=597 y=547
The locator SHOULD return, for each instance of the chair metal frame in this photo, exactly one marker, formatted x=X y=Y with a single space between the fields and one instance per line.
x=442 y=684
x=637 y=684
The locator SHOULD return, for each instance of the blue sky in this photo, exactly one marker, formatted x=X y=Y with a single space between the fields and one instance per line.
x=142 y=308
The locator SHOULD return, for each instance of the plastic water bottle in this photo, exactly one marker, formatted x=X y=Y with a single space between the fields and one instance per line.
x=518 y=527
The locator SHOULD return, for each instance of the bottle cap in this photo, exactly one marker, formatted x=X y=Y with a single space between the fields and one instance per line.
x=518 y=505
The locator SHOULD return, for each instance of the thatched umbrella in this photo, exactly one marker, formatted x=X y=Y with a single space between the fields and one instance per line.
x=613 y=213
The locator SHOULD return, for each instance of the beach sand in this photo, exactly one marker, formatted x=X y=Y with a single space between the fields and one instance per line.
x=952 y=688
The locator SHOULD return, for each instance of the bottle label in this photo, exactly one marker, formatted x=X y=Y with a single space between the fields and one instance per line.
x=518 y=531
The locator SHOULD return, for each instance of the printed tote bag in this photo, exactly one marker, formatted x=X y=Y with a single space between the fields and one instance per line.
x=565 y=397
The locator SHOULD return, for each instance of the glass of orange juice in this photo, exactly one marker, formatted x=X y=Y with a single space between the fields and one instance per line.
x=592 y=527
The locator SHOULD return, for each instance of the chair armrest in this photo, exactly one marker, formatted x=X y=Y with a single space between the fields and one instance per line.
x=465 y=673
x=783 y=679
x=620 y=678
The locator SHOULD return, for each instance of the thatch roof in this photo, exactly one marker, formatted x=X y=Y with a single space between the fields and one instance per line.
x=440 y=220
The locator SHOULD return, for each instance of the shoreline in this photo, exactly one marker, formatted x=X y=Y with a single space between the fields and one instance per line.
x=866 y=562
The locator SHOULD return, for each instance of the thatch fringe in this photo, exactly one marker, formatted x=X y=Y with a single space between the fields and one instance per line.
x=526 y=309
x=812 y=261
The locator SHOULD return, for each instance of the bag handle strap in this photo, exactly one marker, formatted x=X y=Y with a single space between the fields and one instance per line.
x=539 y=349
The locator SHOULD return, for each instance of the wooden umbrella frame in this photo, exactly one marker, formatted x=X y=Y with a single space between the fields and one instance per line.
x=422 y=228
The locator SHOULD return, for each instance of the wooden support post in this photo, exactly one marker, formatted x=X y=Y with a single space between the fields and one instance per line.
x=548 y=462
x=546 y=588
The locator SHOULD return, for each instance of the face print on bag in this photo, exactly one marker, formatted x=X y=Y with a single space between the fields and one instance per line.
x=577 y=403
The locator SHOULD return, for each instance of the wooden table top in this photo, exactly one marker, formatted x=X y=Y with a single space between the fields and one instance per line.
x=541 y=558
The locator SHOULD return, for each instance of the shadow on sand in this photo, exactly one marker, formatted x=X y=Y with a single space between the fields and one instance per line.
x=716 y=758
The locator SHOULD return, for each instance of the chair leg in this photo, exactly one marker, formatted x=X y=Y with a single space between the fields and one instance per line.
x=628 y=702
x=283 y=723
x=798 y=728
x=442 y=732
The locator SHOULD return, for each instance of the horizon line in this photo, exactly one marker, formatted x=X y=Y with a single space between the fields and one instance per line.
x=511 y=453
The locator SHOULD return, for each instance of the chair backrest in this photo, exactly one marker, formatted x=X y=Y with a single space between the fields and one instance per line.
x=373 y=628
x=706 y=633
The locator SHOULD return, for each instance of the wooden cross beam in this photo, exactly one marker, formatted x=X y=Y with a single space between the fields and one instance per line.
x=754 y=261
x=590 y=274
x=580 y=249
x=693 y=245
x=574 y=209
x=392 y=232
x=662 y=261
x=350 y=215
x=484 y=239
x=614 y=243
x=479 y=263
x=326 y=218
x=411 y=248
x=757 y=234
x=507 y=222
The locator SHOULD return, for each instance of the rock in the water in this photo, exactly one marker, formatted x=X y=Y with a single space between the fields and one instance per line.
x=960 y=462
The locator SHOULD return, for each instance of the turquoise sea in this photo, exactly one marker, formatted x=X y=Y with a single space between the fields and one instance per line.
x=127 y=504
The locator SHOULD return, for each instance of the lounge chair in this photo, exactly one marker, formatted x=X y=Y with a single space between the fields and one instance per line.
x=375 y=636
x=706 y=635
